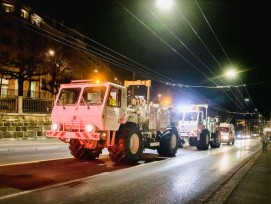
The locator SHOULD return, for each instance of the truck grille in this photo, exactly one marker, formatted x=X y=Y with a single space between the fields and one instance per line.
x=72 y=127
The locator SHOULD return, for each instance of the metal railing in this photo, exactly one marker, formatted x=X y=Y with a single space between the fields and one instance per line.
x=7 y=93
x=8 y=105
x=19 y=104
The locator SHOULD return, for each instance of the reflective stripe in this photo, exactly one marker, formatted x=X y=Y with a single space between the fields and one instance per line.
x=76 y=135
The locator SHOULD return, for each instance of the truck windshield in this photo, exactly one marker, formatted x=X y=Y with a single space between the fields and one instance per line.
x=68 y=96
x=224 y=129
x=93 y=95
x=191 y=116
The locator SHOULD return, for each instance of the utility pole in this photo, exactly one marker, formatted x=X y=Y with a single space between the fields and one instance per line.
x=133 y=87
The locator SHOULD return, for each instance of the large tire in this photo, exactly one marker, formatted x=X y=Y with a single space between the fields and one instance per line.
x=216 y=140
x=192 y=141
x=79 y=152
x=203 y=143
x=128 y=145
x=168 y=144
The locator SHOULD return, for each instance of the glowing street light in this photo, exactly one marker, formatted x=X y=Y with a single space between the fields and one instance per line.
x=159 y=97
x=164 y=4
x=231 y=73
x=51 y=53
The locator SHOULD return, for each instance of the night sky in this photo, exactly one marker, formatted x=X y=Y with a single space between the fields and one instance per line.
x=192 y=44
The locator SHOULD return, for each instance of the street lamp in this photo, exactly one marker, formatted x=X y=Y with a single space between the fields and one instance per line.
x=231 y=73
x=51 y=53
x=159 y=98
x=117 y=80
x=164 y=4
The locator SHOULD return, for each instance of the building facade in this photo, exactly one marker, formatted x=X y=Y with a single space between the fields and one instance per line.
x=17 y=22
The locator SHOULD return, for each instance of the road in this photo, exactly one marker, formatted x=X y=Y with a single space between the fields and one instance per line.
x=191 y=177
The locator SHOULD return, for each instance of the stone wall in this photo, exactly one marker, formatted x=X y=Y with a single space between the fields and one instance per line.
x=24 y=126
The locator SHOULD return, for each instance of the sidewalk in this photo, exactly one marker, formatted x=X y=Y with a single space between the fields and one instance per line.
x=255 y=185
x=31 y=145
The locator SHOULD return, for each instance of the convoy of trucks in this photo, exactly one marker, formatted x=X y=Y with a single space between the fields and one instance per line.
x=84 y=116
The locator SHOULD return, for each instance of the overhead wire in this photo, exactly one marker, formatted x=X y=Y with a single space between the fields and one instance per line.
x=193 y=54
x=83 y=49
x=163 y=41
x=205 y=18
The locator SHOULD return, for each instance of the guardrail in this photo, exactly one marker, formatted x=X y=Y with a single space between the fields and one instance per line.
x=18 y=104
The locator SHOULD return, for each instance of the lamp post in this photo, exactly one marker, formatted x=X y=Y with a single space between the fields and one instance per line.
x=159 y=98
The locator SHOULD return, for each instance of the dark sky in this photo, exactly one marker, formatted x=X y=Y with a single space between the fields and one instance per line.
x=225 y=33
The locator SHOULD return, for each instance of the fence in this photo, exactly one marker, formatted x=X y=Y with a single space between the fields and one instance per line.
x=19 y=104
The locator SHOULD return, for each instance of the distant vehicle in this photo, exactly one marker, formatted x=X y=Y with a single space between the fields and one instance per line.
x=255 y=134
x=242 y=135
x=200 y=129
x=227 y=133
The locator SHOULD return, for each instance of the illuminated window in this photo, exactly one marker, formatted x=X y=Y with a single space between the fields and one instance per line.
x=24 y=14
x=8 y=8
x=4 y=86
x=36 y=20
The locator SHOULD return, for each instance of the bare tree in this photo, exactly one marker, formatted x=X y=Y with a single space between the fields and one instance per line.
x=58 y=66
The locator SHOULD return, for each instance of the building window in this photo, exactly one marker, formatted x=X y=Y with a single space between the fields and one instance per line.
x=6 y=40
x=4 y=87
x=9 y=8
x=36 y=20
x=24 y=14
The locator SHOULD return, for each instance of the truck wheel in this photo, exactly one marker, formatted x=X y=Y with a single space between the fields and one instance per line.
x=216 y=141
x=192 y=141
x=128 y=145
x=79 y=152
x=168 y=144
x=203 y=143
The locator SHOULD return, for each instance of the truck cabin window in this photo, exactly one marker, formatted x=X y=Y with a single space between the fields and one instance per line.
x=93 y=96
x=68 y=96
x=191 y=116
x=114 y=97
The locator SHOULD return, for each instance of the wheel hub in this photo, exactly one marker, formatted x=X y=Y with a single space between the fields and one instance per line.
x=134 y=143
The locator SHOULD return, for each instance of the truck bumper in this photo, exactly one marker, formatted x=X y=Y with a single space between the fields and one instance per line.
x=73 y=135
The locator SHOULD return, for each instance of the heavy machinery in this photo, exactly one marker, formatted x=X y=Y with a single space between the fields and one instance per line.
x=194 y=124
x=227 y=133
x=83 y=117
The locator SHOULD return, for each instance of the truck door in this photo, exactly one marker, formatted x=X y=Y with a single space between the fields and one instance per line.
x=114 y=111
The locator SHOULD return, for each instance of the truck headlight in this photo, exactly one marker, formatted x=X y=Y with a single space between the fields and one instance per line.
x=89 y=128
x=54 y=127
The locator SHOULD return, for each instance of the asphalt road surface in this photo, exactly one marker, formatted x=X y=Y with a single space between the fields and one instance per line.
x=51 y=175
